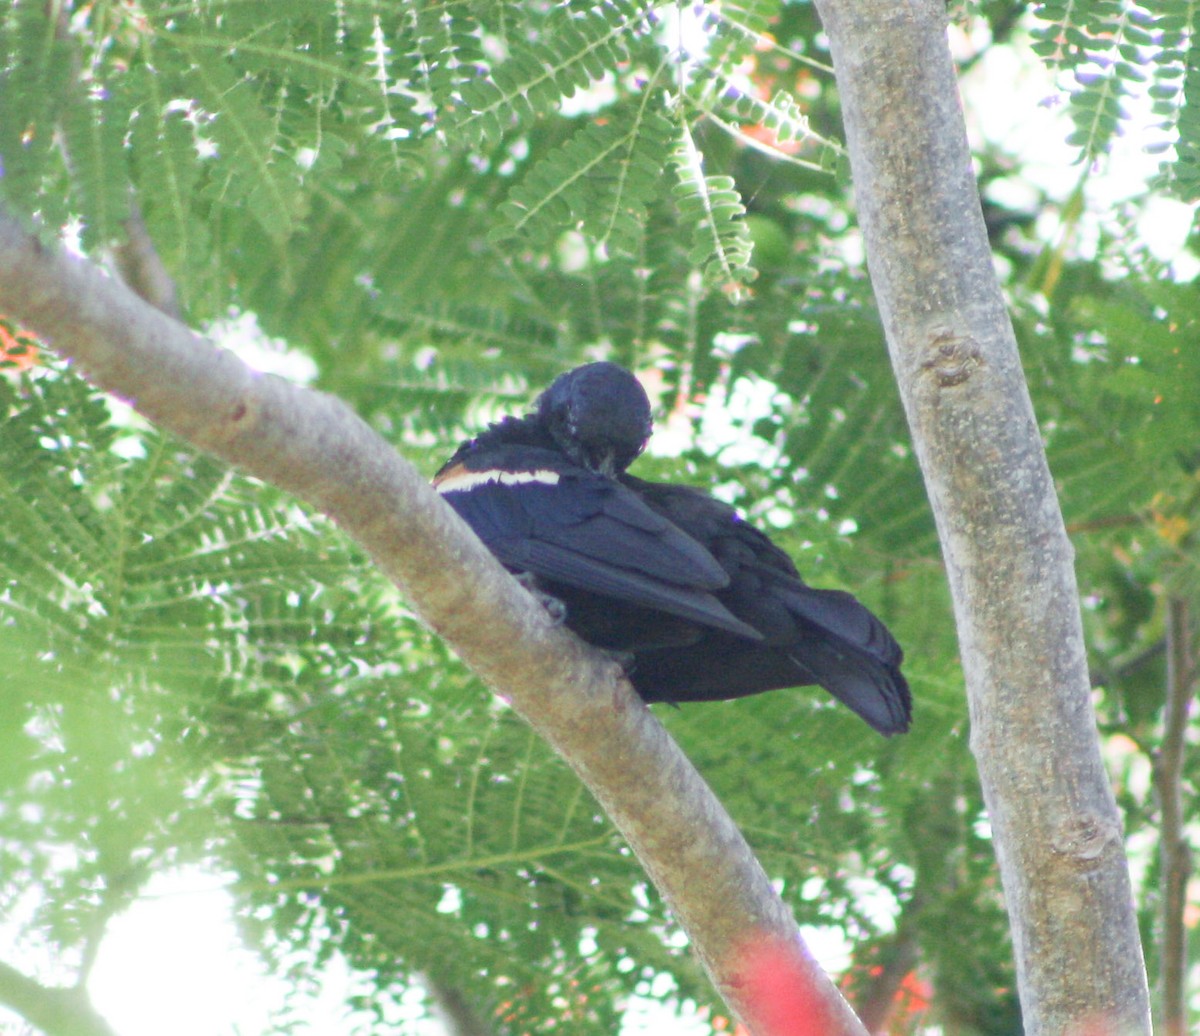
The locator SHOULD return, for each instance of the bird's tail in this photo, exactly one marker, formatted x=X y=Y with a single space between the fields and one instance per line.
x=853 y=656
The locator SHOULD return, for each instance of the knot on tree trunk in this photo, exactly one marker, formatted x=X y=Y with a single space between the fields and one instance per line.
x=1087 y=837
x=955 y=357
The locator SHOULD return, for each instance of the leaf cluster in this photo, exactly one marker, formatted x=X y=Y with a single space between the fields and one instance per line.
x=1115 y=54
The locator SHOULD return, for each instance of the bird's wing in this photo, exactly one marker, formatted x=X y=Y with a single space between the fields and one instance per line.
x=826 y=635
x=540 y=513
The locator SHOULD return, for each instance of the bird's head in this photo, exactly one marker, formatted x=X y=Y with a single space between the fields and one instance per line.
x=598 y=415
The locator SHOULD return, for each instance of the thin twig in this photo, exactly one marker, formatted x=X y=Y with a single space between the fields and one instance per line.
x=1175 y=854
x=142 y=268
x=877 y=1002
x=455 y=1010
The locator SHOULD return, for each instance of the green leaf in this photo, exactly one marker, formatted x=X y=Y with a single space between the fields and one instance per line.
x=256 y=172
x=599 y=182
x=721 y=243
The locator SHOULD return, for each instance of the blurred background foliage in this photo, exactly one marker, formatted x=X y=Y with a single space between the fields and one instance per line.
x=430 y=209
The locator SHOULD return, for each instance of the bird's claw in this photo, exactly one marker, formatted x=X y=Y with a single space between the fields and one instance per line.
x=555 y=608
x=625 y=659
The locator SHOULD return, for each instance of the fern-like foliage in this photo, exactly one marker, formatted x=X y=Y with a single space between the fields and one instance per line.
x=1171 y=39
x=1109 y=49
x=1112 y=52
x=720 y=88
x=431 y=396
x=144 y=603
x=736 y=29
x=445 y=52
x=1185 y=171
x=230 y=125
x=34 y=64
x=577 y=45
x=163 y=155
x=779 y=118
x=721 y=244
x=599 y=182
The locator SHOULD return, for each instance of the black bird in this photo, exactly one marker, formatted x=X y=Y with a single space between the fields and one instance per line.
x=700 y=604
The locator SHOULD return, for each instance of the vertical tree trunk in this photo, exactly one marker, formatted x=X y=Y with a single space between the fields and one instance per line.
x=1054 y=821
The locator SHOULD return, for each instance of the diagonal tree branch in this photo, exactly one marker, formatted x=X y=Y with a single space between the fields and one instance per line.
x=56 y=1010
x=1054 y=820
x=313 y=446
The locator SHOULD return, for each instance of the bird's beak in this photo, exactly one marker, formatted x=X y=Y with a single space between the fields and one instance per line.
x=607 y=466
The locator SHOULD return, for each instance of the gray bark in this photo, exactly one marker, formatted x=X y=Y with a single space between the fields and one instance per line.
x=1054 y=821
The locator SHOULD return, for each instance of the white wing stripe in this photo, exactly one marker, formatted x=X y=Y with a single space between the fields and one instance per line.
x=460 y=480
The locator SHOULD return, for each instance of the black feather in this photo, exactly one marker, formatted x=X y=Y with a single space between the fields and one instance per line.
x=705 y=605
